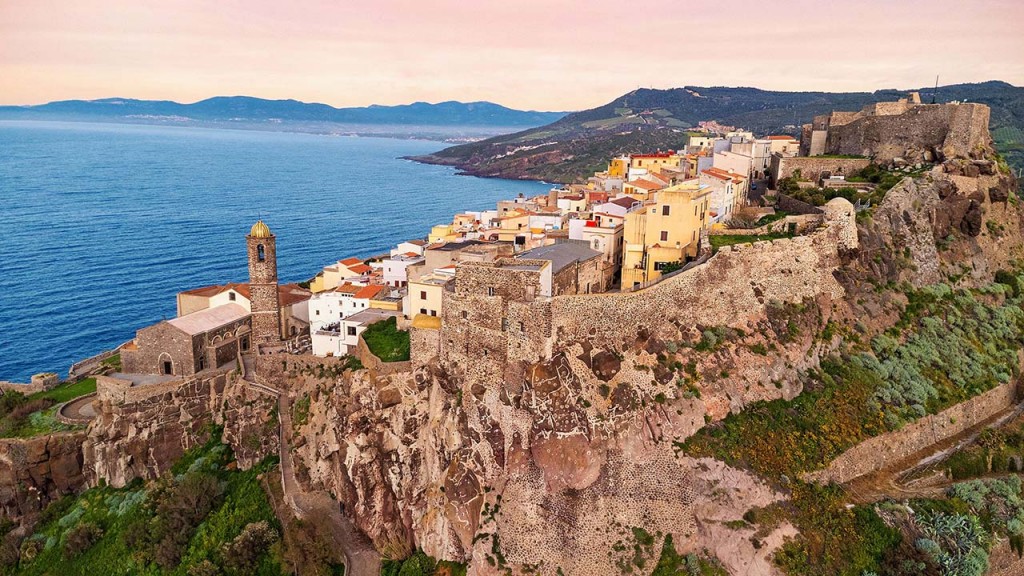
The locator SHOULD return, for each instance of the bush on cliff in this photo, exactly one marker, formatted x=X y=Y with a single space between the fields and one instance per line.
x=386 y=341
x=193 y=518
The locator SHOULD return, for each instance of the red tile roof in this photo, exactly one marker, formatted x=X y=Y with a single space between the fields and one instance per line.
x=368 y=292
x=646 y=184
x=360 y=268
x=780 y=137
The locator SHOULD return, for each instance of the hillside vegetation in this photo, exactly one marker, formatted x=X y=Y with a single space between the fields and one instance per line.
x=644 y=120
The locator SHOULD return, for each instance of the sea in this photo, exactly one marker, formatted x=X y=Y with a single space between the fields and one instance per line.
x=101 y=225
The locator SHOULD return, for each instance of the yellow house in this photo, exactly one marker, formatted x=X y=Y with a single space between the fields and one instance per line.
x=665 y=231
x=441 y=233
x=513 y=224
x=618 y=167
x=652 y=161
x=334 y=274
x=425 y=293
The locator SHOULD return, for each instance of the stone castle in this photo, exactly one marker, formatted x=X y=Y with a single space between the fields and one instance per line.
x=905 y=129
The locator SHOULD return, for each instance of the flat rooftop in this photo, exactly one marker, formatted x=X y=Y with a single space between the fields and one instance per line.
x=370 y=315
x=561 y=254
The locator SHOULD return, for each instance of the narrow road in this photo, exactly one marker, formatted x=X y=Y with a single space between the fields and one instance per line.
x=361 y=559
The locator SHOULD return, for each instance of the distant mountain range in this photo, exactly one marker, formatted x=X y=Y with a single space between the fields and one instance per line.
x=246 y=111
x=576 y=145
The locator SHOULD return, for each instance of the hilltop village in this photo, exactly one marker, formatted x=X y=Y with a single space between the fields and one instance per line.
x=590 y=381
x=645 y=216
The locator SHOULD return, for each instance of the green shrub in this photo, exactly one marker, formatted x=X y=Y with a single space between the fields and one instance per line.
x=386 y=341
x=81 y=538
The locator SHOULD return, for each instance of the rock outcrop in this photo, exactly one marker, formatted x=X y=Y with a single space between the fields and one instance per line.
x=36 y=471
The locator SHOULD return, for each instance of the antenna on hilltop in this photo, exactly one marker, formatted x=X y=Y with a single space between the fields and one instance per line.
x=936 y=91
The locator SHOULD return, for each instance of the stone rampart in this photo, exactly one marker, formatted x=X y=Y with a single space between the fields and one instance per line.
x=84 y=367
x=811 y=167
x=736 y=284
x=954 y=130
x=802 y=223
x=890 y=449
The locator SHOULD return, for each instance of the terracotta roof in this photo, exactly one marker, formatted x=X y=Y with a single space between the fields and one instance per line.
x=360 y=268
x=624 y=202
x=368 y=292
x=780 y=137
x=350 y=261
x=417 y=242
x=646 y=184
x=286 y=293
x=347 y=288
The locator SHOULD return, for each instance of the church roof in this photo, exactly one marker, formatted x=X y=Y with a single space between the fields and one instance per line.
x=260 y=230
x=209 y=319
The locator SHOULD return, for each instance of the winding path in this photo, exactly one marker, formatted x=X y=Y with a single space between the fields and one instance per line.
x=78 y=411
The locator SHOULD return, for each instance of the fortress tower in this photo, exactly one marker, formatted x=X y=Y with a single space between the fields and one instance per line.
x=266 y=313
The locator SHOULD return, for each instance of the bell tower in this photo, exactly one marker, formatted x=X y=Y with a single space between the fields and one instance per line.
x=266 y=312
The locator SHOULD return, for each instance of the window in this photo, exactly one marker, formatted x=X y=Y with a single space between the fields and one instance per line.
x=245 y=344
x=423 y=294
x=202 y=363
x=231 y=296
x=317 y=312
x=664 y=235
x=423 y=310
x=351 y=330
x=665 y=210
x=433 y=312
x=504 y=324
x=522 y=327
x=695 y=209
x=260 y=254
x=485 y=352
x=465 y=314
x=490 y=290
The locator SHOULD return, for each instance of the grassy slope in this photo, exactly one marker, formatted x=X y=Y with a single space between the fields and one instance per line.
x=117 y=512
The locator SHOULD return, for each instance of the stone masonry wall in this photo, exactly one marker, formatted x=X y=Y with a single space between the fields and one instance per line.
x=811 y=167
x=889 y=449
x=955 y=130
x=735 y=284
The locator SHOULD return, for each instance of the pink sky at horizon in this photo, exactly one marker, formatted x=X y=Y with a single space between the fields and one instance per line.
x=529 y=54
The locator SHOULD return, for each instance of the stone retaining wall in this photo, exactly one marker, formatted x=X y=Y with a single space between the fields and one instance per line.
x=803 y=222
x=811 y=167
x=372 y=362
x=83 y=367
x=889 y=449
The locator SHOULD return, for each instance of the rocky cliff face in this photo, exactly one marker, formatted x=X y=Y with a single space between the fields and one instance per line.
x=36 y=471
x=556 y=466
x=143 y=439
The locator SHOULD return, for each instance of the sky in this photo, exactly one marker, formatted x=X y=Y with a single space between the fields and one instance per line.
x=527 y=54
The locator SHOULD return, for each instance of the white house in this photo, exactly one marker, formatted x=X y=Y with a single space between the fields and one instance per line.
x=395 y=273
x=414 y=246
x=733 y=162
x=341 y=337
x=328 y=307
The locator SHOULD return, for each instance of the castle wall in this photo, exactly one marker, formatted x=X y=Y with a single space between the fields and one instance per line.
x=811 y=167
x=889 y=449
x=484 y=338
x=955 y=130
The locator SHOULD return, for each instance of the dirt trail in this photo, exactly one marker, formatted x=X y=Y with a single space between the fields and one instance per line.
x=921 y=476
x=361 y=559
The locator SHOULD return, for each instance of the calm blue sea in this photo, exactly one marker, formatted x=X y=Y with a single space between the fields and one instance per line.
x=101 y=224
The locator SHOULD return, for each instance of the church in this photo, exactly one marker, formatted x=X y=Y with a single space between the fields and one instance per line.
x=211 y=336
